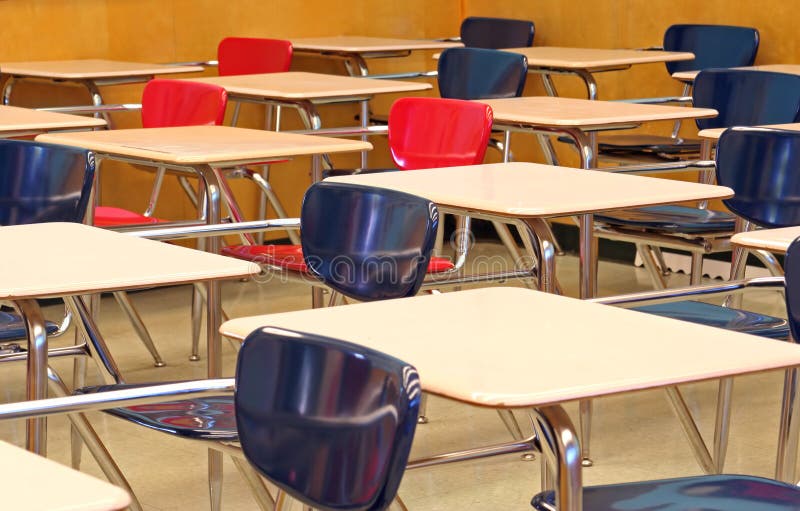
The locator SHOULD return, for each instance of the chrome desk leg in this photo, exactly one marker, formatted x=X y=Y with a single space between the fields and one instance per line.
x=35 y=429
x=215 y=479
x=506 y=146
x=310 y=117
x=7 y=88
x=549 y=86
x=422 y=418
x=262 y=200
x=87 y=327
x=97 y=100
x=591 y=84
x=585 y=422
x=588 y=257
x=256 y=484
x=561 y=448
x=546 y=254
x=689 y=427
x=786 y=463
x=586 y=147
x=141 y=330
x=236 y=107
x=364 y=124
x=722 y=423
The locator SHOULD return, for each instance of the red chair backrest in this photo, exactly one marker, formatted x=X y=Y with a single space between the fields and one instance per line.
x=168 y=103
x=435 y=132
x=250 y=55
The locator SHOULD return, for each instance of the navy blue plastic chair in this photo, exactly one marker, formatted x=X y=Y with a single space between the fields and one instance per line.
x=761 y=166
x=706 y=493
x=366 y=243
x=41 y=183
x=742 y=98
x=496 y=33
x=327 y=421
x=476 y=73
x=714 y=46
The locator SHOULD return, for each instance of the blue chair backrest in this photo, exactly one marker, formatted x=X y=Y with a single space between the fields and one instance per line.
x=746 y=98
x=476 y=73
x=762 y=166
x=712 y=45
x=329 y=422
x=496 y=33
x=367 y=243
x=791 y=265
x=43 y=182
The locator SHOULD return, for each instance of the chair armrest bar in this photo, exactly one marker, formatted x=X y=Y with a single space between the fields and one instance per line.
x=683 y=293
x=656 y=101
x=204 y=230
x=344 y=132
x=194 y=63
x=404 y=76
x=124 y=107
x=671 y=166
x=115 y=398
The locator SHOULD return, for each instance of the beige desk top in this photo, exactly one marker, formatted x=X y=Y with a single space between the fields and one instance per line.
x=359 y=44
x=715 y=133
x=16 y=119
x=40 y=484
x=523 y=190
x=301 y=85
x=571 y=112
x=188 y=145
x=83 y=260
x=773 y=240
x=89 y=69
x=689 y=76
x=594 y=59
x=484 y=358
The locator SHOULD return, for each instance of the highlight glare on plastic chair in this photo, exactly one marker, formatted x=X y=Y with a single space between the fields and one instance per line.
x=714 y=46
x=366 y=243
x=742 y=98
x=496 y=33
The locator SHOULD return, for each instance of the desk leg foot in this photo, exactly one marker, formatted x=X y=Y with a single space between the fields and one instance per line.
x=528 y=456
x=587 y=462
x=422 y=419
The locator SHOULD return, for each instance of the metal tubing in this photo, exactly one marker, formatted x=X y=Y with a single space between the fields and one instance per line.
x=197 y=316
x=722 y=423
x=7 y=88
x=256 y=484
x=588 y=80
x=527 y=445
x=557 y=437
x=235 y=118
x=422 y=417
x=96 y=343
x=207 y=230
x=510 y=422
x=364 y=124
x=141 y=330
x=215 y=479
x=545 y=252
x=786 y=462
x=344 y=132
x=670 y=166
x=689 y=427
x=585 y=416
x=155 y=192
x=31 y=314
x=656 y=274
x=588 y=257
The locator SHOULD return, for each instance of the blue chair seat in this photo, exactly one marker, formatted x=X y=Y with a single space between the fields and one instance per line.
x=721 y=317
x=12 y=327
x=207 y=418
x=677 y=219
x=701 y=493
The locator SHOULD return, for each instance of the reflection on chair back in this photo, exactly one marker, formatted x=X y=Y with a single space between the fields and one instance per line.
x=435 y=132
x=43 y=182
x=251 y=55
x=762 y=166
x=167 y=103
x=367 y=243
x=496 y=33
x=476 y=73
x=712 y=45
x=747 y=98
x=329 y=422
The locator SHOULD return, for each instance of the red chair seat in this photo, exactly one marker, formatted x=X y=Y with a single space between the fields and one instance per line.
x=107 y=216
x=290 y=257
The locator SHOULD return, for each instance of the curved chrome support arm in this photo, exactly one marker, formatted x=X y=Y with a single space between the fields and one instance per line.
x=560 y=448
x=36 y=429
x=122 y=107
x=672 y=166
x=656 y=101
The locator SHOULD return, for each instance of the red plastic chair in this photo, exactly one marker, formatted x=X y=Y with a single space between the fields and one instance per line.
x=423 y=133
x=250 y=55
x=167 y=103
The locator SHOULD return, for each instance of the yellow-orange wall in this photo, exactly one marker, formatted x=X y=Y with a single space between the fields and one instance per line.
x=179 y=30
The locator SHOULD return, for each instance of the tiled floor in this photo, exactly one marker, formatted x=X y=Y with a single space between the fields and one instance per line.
x=635 y=436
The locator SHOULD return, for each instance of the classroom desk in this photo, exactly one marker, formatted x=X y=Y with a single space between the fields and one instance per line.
x=525 y=194
x=773 y=240
x=40 y=484
x=484 y=358
x=88 y=262
x=356 y=49
x=713 y=134
x=21 y=122
x=580 y=119
x=584 y=62
x=90 y=73
x=689 y=76
x=304 y=91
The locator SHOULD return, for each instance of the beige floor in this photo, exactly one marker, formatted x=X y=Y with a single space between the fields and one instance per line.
x=635 y=436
